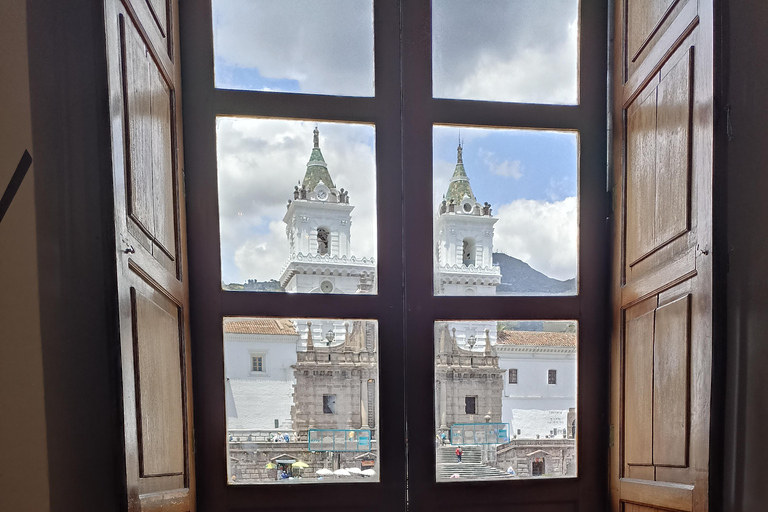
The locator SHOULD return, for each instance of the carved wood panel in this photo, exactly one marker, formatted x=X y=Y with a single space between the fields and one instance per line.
x=632 y=507
x=648 y=26
x=638 y=384
x=151 y=188
x=656 y=385
x=658 y=170
x=643 y=17
x=671 y=364
x=157 y=355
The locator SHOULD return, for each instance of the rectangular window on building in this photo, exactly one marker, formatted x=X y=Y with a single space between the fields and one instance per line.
x=257 y=363
x=329 y=404
x=470 y=405
x=513 y=375
x=552 y=377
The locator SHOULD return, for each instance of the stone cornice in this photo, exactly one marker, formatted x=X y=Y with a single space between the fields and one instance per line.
x=324 y=264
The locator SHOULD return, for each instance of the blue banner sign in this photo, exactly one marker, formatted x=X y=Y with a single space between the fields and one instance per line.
x=339 y=440
x=479 y=433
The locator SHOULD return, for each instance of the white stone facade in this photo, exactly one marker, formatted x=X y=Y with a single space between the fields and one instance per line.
x=345 y=372
x=462 y=373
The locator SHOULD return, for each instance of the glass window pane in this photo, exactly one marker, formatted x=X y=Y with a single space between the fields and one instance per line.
x=294 y=46
x=297 y=206
x=506 y=211
x=516 y=50
x=489 y=428
x=311 y=415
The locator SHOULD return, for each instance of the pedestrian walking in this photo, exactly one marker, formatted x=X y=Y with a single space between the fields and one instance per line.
x=458 y=453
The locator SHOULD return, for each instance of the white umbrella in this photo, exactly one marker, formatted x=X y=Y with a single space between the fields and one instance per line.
x=323 y=472
x=355 y=470
x=368 y=472
x=341 y=472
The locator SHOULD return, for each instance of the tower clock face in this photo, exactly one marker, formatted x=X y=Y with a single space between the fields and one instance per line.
x=326 y=287
x=321 y=192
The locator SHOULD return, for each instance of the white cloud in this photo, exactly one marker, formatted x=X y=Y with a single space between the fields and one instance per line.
x=506 y=168
x=440 y=180
x=326 y=46
x=542 y=234
x=255 y=257
x=259 y=163
x=524 y=51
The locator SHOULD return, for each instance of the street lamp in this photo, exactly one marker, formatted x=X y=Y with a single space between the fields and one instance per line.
x=471 y=342
x=329 y=336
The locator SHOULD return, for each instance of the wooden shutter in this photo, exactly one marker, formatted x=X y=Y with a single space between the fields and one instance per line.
x=662 y=274
x=153 y=301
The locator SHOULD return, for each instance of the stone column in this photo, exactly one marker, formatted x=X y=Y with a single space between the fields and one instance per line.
x=443 y=406
x=363 y=401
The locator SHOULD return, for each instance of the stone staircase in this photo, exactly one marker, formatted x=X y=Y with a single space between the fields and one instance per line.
x=470 y=468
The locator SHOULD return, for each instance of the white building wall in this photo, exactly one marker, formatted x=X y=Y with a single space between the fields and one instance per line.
x=256 y=399
x=532 y=405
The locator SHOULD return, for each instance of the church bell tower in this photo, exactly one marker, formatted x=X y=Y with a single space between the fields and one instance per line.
x=318 y=223
x=464 y=240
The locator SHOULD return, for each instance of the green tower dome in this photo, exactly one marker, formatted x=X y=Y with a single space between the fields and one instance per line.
x=459 y=185
x=317 y=169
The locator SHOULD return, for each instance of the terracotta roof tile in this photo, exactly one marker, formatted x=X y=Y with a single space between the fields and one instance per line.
x=536 y=339
x=282 y=326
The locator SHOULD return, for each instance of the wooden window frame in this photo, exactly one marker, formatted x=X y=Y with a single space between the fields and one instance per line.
x=404 y=112
x=552 y=377
x=263 y=358
x=512 y=377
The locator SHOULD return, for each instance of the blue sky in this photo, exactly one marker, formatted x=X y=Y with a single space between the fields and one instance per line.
x=504 y=165
x=230 y=76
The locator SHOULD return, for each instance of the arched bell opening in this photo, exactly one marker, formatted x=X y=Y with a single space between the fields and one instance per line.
x=469 y=251
x=323 y=239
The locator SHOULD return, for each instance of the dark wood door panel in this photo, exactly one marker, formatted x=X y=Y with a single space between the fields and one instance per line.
x=671 y=367
x=642 y=495
x=150 y=242
x=156 y=19
x=662 y=272
x=657 y=386
x=638 y=386
x=658 y=162
x=151 y=183
x=644 y=18
x=648 y=26
x=157 y=354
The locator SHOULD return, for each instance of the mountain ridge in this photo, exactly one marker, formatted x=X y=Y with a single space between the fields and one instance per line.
x=518 y=277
